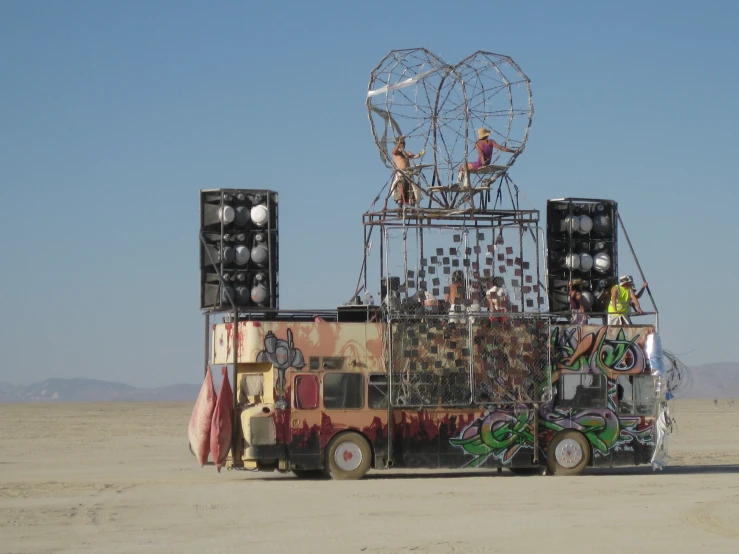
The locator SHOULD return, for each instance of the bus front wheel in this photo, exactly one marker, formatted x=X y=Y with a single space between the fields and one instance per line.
x=568 y=453
x=348 y=457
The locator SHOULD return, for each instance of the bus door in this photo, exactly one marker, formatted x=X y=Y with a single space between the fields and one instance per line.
x=305 y=422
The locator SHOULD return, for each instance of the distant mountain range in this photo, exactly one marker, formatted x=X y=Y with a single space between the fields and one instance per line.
x=720 y=380
x=92 y=390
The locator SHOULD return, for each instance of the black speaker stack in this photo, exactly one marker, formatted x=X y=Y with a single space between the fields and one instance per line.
x=239 y=249
x=581 y=244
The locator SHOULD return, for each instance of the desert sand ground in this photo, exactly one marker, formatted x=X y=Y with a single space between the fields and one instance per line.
x=120 y=478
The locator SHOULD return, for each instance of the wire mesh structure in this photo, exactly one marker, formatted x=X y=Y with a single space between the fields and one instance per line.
x=401 y=99
x=437 y=108
x=512 y=359
x=466 y=310
x=493 y=360
x=484 y=90
x=459 y=269
x=430 y=363
x=459 y=259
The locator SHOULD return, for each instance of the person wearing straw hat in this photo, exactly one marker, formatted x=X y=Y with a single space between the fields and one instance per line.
x=484 y=146
x=404 y=191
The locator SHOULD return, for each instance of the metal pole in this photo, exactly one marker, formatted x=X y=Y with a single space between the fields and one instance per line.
x=382 y=262
x=207 y=343
x=389 y=373
x=405 y=259
x=364 y=262
x=638 y=266
x=389 y=349
x=520 y=259
x=236 y=427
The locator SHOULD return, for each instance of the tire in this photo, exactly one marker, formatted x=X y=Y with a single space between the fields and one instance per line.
x=568 y=453
x=308 y=473
x=348 y=457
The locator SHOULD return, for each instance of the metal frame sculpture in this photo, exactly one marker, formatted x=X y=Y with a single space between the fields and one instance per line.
x=472 y=236
x=438 y=108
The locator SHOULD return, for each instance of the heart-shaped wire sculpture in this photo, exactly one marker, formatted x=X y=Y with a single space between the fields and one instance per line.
x=439 y=109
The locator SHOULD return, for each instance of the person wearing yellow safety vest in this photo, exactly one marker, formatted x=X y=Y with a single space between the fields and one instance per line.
x=622 y=295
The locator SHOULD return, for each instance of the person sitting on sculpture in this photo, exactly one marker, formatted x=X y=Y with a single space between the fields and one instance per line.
x=403 y=189
x=484 y=147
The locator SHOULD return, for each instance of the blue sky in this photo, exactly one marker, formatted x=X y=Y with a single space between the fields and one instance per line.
x=114 y=115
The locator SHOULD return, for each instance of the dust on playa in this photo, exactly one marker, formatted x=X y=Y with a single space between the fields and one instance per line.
x=120 y=477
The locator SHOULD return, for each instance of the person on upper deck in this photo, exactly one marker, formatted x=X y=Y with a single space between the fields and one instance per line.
x=455 y=298
x=403 y=189
x=497 y=296
x=484 y=147
x=622 y=296
x=577 y=306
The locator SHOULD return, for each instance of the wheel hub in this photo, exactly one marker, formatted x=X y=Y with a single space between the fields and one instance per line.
x=568 y=453
x=348 y=456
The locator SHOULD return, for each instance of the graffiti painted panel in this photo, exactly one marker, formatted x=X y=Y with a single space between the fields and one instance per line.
x=359 y=344
x=616 y=439
x=611 y=350
x=497 y=435
x=463 y=438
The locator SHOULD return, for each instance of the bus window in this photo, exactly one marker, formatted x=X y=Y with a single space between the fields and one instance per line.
x=377 y=392
x=306 y=392
x=582 y=391
x=342 y=391
x=635 y=394
x=644 y=401
x=625 y=394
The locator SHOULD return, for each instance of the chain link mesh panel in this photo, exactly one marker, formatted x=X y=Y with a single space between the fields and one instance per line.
x=430 y=363
x=511 y=359
x=443 y=361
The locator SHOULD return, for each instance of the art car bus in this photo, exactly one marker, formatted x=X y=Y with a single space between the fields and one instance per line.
x=473 y=359
x=345 y=392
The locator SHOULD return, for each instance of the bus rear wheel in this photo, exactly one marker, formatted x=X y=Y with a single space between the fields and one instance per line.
x=348 y=457
x=568 y=453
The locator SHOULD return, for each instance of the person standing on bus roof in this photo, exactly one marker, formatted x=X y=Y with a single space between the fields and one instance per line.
x=576 y=303
x=456 y=296
x=622 y=296
x=497 y=296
